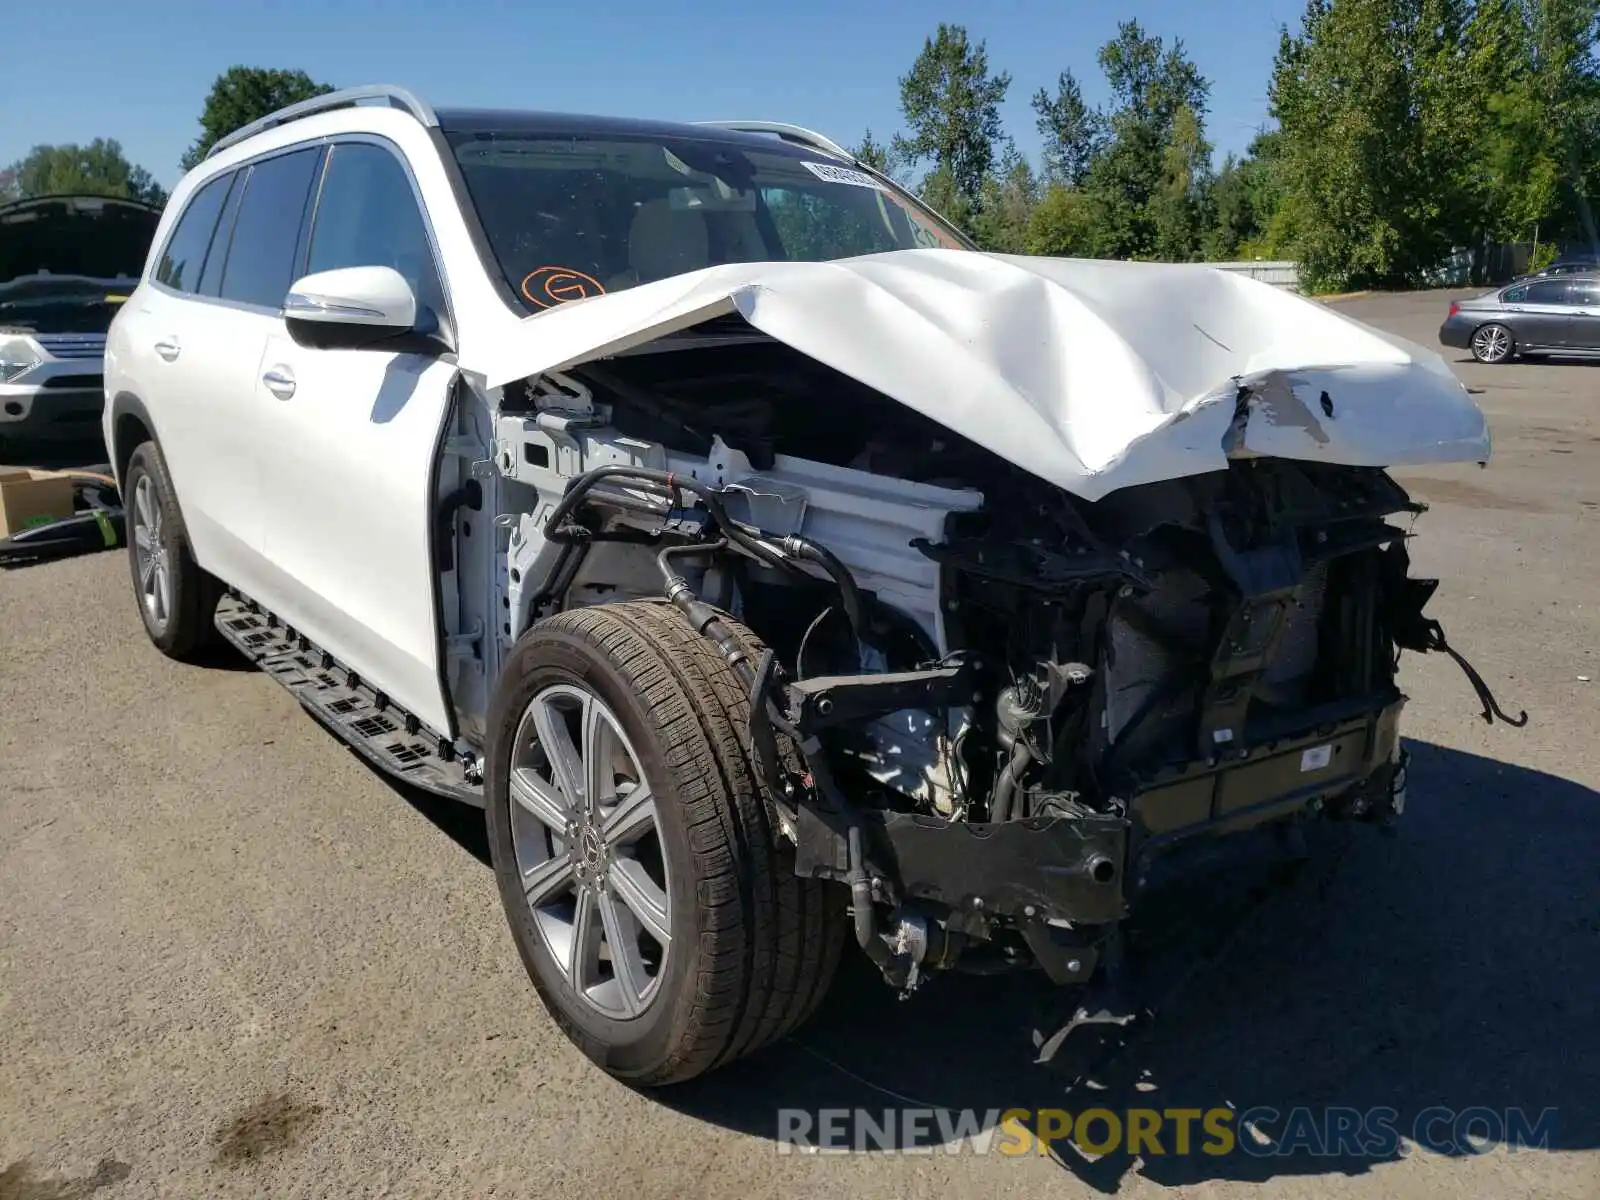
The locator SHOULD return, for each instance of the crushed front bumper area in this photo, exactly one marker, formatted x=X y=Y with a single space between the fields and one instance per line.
x=1063 y=882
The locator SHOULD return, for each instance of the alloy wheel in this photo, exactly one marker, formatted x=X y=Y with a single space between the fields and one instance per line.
x=1491 y=343
x=150 y=554
x=589 y=851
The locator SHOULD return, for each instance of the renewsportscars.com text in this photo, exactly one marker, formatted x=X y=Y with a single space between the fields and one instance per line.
x=1259 y=1132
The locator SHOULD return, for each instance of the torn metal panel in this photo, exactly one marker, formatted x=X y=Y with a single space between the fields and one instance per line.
x=1092 y=375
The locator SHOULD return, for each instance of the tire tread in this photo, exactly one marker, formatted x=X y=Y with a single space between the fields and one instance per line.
x=768 y=947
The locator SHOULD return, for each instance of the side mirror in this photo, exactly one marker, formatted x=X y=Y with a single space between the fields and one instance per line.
x=352 y=307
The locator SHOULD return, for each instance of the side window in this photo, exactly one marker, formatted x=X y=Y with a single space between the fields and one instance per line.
x=1586 y=294
x=367 y=216
x=1549 y=292
x=266 y=233
x=211 y=277
x=185 y=251
x=1514 y=295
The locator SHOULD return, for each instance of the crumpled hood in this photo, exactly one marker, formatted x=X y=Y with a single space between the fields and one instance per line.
x=1093 y=375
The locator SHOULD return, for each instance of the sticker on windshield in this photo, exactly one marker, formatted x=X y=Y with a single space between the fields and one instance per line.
x=549 y=286
x=833 y=174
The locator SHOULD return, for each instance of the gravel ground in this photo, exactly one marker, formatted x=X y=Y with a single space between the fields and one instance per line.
x=236 y=962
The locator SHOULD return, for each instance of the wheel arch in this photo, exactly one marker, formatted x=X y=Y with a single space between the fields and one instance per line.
x=131 y=426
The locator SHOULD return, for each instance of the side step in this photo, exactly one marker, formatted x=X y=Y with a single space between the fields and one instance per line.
x=386 y=736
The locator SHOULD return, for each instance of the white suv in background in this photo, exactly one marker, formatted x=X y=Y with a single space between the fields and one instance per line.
x=774 y=567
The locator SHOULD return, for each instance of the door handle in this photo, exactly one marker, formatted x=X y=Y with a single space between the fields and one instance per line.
x=279 y=382
x=168 y=348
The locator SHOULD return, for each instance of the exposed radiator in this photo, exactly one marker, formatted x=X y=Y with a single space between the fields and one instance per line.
x=1180 y=606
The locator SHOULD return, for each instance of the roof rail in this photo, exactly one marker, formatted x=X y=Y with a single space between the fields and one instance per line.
x=789 y=133
x=393 y=97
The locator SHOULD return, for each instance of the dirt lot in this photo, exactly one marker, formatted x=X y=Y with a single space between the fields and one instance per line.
x=235 y=962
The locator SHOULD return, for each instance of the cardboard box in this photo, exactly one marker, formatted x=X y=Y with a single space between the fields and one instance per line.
x=29 y=498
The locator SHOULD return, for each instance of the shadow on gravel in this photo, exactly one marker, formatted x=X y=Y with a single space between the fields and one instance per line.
x=1448 y=967
x=220 y=656
x=56 y=454
x=461 y=823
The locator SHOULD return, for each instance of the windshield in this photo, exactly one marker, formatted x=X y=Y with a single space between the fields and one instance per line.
x=571 y=217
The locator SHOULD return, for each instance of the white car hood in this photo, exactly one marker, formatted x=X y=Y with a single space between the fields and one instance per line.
x=1093 y=375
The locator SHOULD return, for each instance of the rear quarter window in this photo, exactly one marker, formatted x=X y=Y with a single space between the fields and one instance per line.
x=185 y=252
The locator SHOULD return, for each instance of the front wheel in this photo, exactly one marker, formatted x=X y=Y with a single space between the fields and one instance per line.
x=636 y=854
x=1492 y=344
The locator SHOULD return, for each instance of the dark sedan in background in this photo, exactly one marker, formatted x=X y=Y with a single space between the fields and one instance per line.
x=1582 y=262
x=1540 y=316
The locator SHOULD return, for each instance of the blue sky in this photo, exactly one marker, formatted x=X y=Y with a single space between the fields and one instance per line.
x=139 y=71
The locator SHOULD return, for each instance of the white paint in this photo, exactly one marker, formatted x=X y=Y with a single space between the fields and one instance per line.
x=375 y=296
x=1091 y=375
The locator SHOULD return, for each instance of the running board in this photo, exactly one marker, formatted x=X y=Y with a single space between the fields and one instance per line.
x=387 y=736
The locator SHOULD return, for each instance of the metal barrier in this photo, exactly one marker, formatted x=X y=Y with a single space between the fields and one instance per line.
x=1280 y=274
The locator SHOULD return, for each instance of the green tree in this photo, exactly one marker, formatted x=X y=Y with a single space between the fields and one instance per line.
x=1065 y=224
x=1564 y=90
x=1072 y=131
x=1361 y=186
x=1179 y=209
x=951 y=103
x=881 y=157
x=97 y=169
x=1244 y=199
x=872 y=152
x=1414 y=127
x=1232 y=221
x=1512 y=178
x=244 y=94
x=1151 y=79
x=1007 y=199
x=1147 y=181
x=940 y=192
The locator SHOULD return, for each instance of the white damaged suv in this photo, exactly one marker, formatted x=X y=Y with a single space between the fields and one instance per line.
x=775 y=568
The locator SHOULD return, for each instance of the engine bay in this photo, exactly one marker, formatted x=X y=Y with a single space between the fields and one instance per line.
x=985 y=703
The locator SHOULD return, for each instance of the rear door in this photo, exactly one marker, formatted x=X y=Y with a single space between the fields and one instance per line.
x=348 y=441
x=217 y=306
x=170 y=335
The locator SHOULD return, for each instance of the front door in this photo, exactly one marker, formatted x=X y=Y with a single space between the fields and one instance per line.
x=1583 y=316
x=350 y=439
x=1544 y=315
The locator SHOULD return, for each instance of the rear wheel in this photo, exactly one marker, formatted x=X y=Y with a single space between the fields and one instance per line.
x=177 y=600
x=1492 y=344
x=652 y=903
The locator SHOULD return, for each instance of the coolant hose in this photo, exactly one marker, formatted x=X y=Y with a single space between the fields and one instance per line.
x=849 y=593
x=669 y=482
x=866 y=921
x=702 y=617
x=1005 y=788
